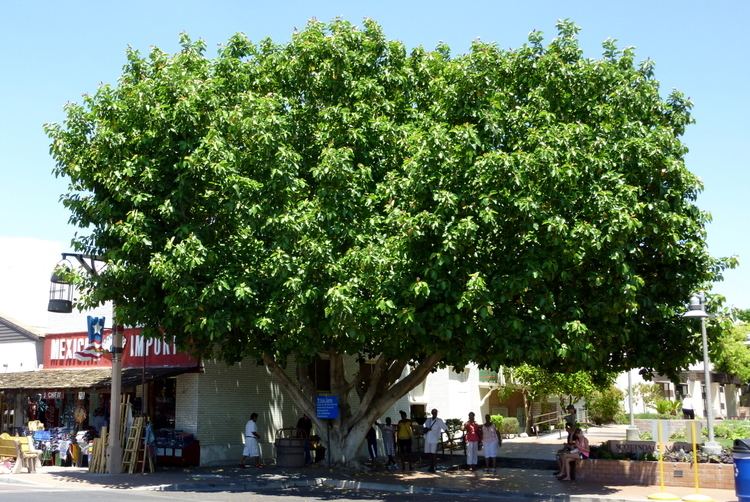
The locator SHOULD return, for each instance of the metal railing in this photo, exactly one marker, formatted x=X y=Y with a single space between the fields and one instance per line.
x=551 y=419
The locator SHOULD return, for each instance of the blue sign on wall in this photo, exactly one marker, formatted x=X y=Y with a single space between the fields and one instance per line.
x=328 y=407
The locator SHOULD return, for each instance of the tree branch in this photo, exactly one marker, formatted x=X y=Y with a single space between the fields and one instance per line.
x=395 y=369
x=418 y=374
x=340 y=386
x=382 y=401
x=303 y=399
x=374 y=388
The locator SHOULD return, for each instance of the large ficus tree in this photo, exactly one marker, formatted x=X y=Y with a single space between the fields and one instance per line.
x=340 y=195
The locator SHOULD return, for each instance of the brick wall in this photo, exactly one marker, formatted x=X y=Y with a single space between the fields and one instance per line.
x=186 y=403
x=621 y=472
x=226 y=396
x=215 y=406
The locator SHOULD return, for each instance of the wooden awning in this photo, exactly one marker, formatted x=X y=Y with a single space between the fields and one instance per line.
x=83 y=378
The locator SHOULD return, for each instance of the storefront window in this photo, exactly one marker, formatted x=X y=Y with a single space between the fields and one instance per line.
x=320 y=373
x=7 y=412
x=165 y=391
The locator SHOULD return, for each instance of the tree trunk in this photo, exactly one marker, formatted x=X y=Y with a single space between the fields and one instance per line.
x=343 y=436
x=344 y=447
x=527 y=412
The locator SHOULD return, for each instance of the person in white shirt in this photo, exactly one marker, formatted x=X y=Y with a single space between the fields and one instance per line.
x=433 y=429
x=252 y=449
x=490 y=442
x=688 y=413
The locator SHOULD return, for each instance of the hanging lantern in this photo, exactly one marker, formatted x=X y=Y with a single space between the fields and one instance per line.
x=60 y=291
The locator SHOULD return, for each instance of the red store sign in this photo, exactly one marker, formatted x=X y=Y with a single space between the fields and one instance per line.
x=74 y=350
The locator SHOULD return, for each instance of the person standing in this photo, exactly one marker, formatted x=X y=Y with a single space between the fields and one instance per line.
x=433 y=429
x=490 y=443
x=388 y=431
x=304 y=431
x=688 y=413
x=571 y=420
x=99 y=421
x=472 y=435
x=404 y=435
x=372 y=444
x=252 y=448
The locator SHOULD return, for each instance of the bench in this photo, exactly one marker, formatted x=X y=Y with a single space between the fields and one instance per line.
x=19 y=448
x=452 y=443
x=7 y=448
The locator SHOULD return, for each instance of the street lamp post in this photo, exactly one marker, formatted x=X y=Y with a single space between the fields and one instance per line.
x=61 y=301
x=631 y=433
x=696 y=309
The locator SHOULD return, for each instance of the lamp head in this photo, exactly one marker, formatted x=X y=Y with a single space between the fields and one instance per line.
x=696 y=308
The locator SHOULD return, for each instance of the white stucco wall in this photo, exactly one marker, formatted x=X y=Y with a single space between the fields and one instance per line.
x=454 y=394
x=18 y=356
x=622 y=383
x=724 y=399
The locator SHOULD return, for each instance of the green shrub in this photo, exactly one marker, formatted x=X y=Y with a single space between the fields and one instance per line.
x=667 y=408
x=732 y=429
x=604 y=405
x=622 y=418
x=497 y=420
x=510 y=426
x=678 y=435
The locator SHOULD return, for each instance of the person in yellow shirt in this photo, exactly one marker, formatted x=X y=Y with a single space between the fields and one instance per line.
x=404 y=435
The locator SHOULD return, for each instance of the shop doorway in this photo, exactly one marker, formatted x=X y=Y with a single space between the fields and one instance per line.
x=163 y=402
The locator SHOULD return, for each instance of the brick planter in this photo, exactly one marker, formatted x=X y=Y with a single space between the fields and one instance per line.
x=637 y=472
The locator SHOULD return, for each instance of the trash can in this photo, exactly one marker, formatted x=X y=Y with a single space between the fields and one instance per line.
x=741 y=456
x=290 y=450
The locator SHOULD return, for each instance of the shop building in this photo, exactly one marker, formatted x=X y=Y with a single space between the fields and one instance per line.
x=210 y=401
x=72 y=391
x=207 y=400
x=21 y=350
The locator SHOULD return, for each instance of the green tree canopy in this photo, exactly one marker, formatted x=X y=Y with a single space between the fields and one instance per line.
x=340 y=194
x=537 y=384
x=731 y=353
x=743 y=315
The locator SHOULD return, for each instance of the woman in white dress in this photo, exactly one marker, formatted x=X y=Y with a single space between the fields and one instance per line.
x=490 y=442
x=388 y=431
x=251 y=450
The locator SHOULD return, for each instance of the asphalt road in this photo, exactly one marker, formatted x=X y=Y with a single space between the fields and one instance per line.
x=18 y=493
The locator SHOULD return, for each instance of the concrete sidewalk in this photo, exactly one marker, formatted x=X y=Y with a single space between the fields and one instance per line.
x=529 y=484
x=510 y=483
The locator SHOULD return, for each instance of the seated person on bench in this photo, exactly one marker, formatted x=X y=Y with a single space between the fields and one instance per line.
x=579 y=451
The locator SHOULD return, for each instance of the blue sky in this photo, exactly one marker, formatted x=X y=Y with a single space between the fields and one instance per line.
x=55 y=51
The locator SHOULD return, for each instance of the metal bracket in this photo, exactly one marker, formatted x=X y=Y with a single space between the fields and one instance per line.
x=81 y=259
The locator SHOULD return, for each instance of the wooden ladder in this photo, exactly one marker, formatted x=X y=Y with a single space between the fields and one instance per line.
x=132 y=446
x=125 y=412
x=99 y=454
x=147 y=459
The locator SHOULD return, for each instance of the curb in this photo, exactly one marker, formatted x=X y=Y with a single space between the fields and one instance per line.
x=206 y=485
x=12 y=479
x=366 y=486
